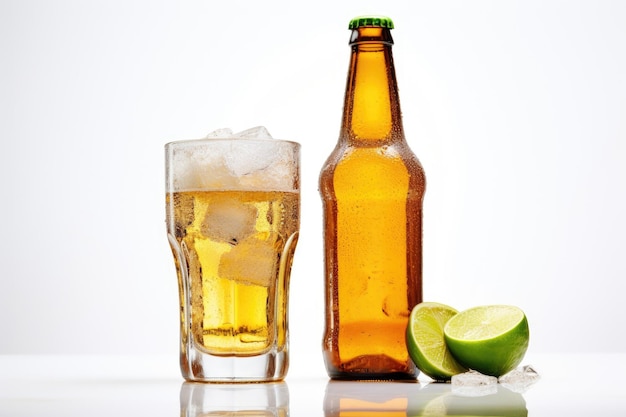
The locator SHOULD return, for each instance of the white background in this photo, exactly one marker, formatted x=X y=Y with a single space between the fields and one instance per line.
x=517 y=111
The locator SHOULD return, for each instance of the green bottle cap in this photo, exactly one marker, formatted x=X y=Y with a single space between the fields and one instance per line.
x=371 y=21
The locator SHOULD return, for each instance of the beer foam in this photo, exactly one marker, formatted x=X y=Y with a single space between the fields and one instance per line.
x=232 y=164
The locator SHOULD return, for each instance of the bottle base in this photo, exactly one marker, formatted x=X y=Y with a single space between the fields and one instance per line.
x=356 y=376
x=371 y=368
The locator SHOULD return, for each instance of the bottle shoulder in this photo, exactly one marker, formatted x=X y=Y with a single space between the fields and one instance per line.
x=388 y=154
x=389 y=167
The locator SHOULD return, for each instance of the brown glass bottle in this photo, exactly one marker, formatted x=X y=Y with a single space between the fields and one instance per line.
x=372 y=188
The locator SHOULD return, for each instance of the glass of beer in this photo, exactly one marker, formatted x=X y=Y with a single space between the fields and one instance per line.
x=233 y=215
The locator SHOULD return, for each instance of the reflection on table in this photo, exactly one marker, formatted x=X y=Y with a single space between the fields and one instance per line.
x=377 y=399
x=250 y=400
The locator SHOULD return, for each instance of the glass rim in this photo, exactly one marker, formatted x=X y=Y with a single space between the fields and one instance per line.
x=202 y=141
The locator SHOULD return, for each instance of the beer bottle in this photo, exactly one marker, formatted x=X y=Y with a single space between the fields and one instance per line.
x=372 y=187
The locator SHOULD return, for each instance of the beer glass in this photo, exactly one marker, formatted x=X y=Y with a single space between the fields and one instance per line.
x=233 y=215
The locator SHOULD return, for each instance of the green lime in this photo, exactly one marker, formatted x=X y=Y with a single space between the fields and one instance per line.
x=488 y=339
x=425 y=341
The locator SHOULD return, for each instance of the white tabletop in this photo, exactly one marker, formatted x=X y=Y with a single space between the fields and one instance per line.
x=570 y=385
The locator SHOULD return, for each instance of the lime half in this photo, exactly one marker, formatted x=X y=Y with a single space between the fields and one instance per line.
x=425 y=341
x=489 y=339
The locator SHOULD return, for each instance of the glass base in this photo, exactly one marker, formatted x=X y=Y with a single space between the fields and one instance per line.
x=198 y=366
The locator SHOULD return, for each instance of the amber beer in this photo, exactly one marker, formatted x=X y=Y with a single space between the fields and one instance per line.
x=372 y=188
x=233 y=244
x=234 y=266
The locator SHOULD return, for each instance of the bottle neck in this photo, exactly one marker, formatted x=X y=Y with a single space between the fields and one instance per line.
x=371 y=114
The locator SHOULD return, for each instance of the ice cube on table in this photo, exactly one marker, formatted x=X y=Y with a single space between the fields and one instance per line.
x=251 y=262
x=519 y=379
x=474 y=384
x=229 y=221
